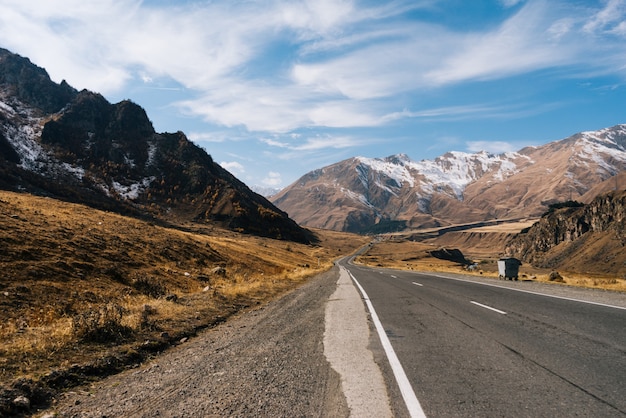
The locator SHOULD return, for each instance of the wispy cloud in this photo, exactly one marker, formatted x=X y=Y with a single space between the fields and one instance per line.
x=273 y=179
x=318 y=68
x=496 y=147
x=233 y=167
x=609 y=19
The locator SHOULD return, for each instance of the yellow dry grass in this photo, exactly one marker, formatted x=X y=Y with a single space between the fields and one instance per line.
x=77 y=284
x=409 y=255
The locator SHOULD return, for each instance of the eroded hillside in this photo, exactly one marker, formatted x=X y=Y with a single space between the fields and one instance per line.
x=588 y=238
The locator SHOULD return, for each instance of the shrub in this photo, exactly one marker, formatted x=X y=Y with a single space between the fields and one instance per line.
x=150 y=286
x=555 y=277
x=101 y=325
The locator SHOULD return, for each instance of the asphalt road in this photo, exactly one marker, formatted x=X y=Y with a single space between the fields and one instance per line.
x=488 y=348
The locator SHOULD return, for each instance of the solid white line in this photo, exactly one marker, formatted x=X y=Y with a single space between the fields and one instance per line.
x=488 y=307
x=412 y=404
x=418 y=284
x=527 y=291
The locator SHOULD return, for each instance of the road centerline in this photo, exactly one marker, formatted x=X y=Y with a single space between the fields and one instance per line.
x=417 y=284
x=488 y=307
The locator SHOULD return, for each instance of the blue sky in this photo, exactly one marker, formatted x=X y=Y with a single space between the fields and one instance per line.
x=275 y=88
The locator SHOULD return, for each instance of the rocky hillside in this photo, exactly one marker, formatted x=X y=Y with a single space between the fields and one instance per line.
x=379 y=195
x=578 y=237
x=57 y=141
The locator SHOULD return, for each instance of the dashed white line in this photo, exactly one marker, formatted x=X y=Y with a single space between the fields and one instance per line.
x=488 y=307
x=529 y=291
x=417 y=284
x=412 y=404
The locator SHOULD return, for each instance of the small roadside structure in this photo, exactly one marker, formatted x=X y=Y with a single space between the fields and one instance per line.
x=508 y=268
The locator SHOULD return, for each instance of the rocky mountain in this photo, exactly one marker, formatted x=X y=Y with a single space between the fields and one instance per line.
x=576 y=237
x=75 y=145
x=394 y=193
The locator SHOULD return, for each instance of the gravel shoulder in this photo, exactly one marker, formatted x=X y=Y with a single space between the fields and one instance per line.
x=266 y=362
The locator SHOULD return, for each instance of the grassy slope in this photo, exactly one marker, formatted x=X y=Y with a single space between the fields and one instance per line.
x=78 y=285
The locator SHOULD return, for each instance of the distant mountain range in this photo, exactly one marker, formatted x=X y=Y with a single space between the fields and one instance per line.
x=75 y=145
x=394 y=193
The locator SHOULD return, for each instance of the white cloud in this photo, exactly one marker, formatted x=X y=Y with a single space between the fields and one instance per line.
x=233 y=167
x=273 y=179
x=607 y=19
x=519 y=45
x=510 y=3
x=344 y=64
x=496 y=147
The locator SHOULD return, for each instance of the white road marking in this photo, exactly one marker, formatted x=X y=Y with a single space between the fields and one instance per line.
x=346 y=347
x=488 y=307
x=412 y=404
x=528 y=291
x=418 y=284
x=393 y=277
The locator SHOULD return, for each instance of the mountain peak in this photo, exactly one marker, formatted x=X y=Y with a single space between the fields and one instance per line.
x=455 y=187
x=77 y=146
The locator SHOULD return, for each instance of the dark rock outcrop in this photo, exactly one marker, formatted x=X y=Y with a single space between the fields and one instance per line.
x=79 y=147
x=568 y=232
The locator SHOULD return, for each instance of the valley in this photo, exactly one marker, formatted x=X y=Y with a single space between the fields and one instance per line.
x=119 y=243
x=483 y=245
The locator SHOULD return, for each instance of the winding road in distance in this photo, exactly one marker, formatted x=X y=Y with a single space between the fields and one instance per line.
x=481 y=347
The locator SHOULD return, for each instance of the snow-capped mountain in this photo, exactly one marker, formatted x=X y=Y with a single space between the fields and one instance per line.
x=366 y=194
x=57 y=141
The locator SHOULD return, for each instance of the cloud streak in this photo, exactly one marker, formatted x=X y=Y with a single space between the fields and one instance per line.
x=101 y=45
x=267 y=69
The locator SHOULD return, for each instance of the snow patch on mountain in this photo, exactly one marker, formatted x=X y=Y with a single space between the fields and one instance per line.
x=450 y=173
x=357 y=196
x=603 y=148
x=394 y=169
x=133 y=190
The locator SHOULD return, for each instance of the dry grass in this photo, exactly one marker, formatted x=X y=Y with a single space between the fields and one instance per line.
x=409 y=255
x=77 y=284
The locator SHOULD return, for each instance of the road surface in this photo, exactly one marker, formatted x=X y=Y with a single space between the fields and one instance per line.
x=483 y=347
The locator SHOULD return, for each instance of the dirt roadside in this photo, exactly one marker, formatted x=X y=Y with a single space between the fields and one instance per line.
x=266 y=362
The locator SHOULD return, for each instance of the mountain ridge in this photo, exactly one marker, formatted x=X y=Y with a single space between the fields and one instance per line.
x=75 y=145
x=359 y=193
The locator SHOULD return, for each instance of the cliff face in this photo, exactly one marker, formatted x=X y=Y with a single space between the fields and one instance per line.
x=592 y=236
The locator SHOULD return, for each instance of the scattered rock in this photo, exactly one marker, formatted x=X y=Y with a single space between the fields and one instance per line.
x=556 y=277
x=206 y=289
x=454 y=255
x=171 y=297
x=21 y=402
